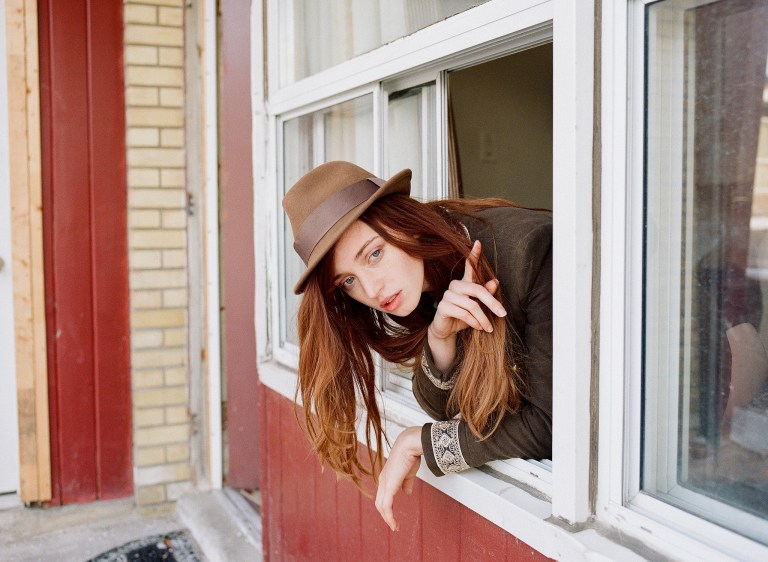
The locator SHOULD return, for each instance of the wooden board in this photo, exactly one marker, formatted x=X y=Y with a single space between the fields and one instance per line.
x=27 y=239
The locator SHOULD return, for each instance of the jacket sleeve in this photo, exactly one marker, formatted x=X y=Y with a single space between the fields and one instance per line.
x=432 y=387
x=448 y=444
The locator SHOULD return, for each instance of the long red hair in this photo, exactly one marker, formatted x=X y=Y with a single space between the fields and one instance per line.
x=337 y=335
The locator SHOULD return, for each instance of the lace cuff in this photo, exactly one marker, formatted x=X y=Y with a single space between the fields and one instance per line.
x=445 y=446
x=441 y=384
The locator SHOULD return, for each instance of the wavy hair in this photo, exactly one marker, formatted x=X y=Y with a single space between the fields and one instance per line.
x=337 y=335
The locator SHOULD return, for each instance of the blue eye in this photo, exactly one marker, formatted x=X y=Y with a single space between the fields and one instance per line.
x=347 y=283
x=375 y=254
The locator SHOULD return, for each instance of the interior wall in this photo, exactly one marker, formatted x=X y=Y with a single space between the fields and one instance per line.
x=503 y=119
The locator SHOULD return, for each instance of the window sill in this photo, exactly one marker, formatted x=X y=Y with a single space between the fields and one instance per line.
x=522 y=513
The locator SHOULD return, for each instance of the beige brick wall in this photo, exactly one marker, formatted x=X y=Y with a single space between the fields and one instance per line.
x=154 y=80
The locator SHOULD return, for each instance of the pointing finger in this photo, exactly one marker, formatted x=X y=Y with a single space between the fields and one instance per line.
x=471 y=262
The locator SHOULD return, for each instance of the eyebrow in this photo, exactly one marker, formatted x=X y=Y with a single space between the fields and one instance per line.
x=358 y=254
x=363 y=247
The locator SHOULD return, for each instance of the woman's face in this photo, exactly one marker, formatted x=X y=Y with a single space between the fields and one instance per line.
x=376 y=273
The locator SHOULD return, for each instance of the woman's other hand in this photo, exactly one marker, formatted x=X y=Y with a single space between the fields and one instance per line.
x=399 y=472
x=460 y=309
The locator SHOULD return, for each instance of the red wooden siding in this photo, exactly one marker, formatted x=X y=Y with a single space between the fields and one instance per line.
x=85 y=248
x=309 y=515
x=237 y=254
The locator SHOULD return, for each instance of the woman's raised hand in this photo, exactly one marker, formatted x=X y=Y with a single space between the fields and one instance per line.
x=460 y=308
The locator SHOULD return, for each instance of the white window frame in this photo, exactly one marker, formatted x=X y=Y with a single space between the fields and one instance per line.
x=518 y=509
x=288 y=354
x=619 y=502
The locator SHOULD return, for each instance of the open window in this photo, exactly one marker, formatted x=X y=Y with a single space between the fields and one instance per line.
x=477 y=126
x=492 y=121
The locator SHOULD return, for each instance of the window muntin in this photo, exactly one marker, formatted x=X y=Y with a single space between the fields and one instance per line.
x=318 y=34
x=705 y=409
x=341 y=132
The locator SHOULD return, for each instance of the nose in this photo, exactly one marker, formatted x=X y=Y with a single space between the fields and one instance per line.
x=372 y=286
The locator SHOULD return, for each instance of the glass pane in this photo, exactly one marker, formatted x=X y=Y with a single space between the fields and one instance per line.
x=411 y=144
x=297 y=161
x=340 y=132
x=411 y=137
x=348 y=132
x=705 y=442
x=318 y=34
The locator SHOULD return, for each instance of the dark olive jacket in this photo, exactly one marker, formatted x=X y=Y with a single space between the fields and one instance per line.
x=518 y=245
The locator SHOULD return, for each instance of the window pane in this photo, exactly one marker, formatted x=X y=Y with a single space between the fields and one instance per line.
x=318 y=34
x=341 y=132
x=706 y=261
x=411 y=137
x=411 y=144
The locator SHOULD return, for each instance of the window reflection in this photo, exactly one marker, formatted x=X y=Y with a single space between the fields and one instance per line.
x=318 y=34
x=706 y=260
x=341 y=132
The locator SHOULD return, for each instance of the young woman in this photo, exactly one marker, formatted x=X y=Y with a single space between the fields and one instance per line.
x=461 y=290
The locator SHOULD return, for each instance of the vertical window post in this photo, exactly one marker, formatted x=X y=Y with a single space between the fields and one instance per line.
x=573 y=79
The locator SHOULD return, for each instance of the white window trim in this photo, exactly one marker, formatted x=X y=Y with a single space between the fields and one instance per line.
x=211 y=214
x=619 y=503
x=573 y=107
x=522 y=514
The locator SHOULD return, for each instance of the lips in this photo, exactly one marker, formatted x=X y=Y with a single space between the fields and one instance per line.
x=391 y=302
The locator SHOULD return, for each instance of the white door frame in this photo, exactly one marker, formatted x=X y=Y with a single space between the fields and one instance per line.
x=9 y=424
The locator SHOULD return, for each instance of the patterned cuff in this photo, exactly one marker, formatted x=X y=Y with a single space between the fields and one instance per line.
x=442 y=385
x=445 y=445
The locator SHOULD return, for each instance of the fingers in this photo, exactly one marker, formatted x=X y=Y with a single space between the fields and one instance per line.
x=384 y=502
x=398 y=472
x=483 y=293
x=465 y=309
x=470 y=265
x=471 y=262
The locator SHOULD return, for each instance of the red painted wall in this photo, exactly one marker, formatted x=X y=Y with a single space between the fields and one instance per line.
x=309 y=515
x=238 y=342
x=85 y=248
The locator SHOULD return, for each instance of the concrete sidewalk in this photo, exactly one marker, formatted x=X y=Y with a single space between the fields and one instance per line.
x=222 y=523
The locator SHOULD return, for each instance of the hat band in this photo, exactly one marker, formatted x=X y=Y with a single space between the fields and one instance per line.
x=329 y=212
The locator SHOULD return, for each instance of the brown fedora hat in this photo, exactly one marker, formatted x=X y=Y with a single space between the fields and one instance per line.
x=323 y=203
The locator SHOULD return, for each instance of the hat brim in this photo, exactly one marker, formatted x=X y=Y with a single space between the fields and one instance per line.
x=398 y=183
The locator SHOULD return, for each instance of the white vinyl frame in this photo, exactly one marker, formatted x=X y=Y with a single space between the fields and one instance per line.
x=211 y=189
x=620 y=504
x=568 y=23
